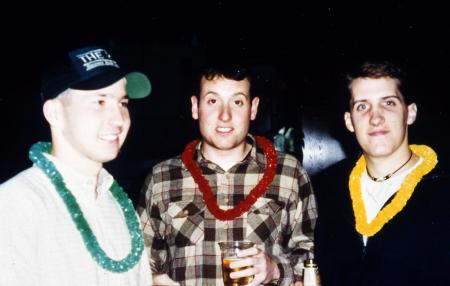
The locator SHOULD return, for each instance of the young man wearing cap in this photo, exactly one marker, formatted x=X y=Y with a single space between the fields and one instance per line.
x=229 y=186
x=384 y=220
x=65 y=221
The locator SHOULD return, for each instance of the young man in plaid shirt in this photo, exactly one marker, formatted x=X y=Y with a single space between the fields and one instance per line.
x=228 y=186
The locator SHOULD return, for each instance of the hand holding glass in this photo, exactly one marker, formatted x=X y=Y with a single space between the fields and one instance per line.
x=230 y=250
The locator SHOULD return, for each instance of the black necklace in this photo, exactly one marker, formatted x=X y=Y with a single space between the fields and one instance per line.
x=382 y=179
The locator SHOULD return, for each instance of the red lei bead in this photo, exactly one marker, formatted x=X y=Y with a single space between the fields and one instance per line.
x=211 y=202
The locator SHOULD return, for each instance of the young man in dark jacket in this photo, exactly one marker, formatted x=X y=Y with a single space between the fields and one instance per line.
x=384 y=221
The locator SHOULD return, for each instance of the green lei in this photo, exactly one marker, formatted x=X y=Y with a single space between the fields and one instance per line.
x=90 y=241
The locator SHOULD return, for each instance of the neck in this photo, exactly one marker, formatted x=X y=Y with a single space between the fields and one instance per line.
x=225 y=158
x=380 y=167
x=70 y=157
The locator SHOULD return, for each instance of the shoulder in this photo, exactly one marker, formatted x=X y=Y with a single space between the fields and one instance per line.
x=24 y=194
x=339 y=171
x=436 y=183
x=172 y=163
x=330 y=183
x=431 y=198
x=166 y=170
x=288 y=163
x=287 y=159
x=292 y=177
x=23 y=182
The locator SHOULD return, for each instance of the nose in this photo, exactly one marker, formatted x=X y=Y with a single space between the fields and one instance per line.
x=118 y=116
x=376 y=117
x=225 y=113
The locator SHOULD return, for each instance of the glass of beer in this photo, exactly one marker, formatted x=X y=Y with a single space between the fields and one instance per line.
x=229 y=250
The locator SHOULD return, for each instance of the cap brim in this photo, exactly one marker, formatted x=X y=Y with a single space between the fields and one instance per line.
x=138 y=84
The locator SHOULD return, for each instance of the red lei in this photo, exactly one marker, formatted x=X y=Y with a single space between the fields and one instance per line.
x=258 y=190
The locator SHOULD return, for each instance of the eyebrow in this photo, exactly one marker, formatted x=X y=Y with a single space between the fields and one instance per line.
x=383 y=98
x=106 y=95
x=234 y=94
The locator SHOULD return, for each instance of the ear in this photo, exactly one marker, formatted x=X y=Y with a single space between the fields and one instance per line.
x=194 y=107
x=412 y=113
x=254 y=108
x=348 y=122
x=53 y=112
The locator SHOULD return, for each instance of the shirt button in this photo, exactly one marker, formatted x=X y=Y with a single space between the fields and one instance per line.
x=227 y=200
x=228 y=176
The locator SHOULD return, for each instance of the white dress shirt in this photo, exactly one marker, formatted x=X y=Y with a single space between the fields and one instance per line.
x=40 y=244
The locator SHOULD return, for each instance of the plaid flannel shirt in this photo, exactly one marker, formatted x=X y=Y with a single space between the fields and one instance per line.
x=182 y=236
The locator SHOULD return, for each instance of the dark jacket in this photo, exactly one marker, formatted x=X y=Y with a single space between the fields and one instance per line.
x=413 y=248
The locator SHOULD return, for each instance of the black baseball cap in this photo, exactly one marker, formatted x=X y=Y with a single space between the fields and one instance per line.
x=91 y=68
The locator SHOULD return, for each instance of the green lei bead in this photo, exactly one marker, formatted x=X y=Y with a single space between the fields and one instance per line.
x=90 y=241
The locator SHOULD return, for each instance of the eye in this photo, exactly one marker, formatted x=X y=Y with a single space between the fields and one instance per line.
x=239 y=102
x=211 y=101
x=124 y=103
x=391 y=103
x=361 y=107
x=100 y=102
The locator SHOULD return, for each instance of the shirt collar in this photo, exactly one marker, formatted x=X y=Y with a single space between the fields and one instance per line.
x=80 y=184
x=255 y=156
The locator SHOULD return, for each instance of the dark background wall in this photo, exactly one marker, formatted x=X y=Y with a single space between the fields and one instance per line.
x=299 y=53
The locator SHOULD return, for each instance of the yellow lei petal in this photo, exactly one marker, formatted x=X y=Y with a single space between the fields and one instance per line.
x=400 y=198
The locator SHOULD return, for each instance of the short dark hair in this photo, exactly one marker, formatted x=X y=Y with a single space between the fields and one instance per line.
x=377 y=70
x=231 y=72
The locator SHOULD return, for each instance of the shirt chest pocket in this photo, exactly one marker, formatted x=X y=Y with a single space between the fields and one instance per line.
x=264 y=221
x=187 y=222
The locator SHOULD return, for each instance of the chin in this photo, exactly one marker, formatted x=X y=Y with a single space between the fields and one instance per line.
x=226 y=144
x=106 y=157
x=379 y=152
x=223 y=147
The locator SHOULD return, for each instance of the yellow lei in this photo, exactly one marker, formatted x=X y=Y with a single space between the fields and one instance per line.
x=400 y=198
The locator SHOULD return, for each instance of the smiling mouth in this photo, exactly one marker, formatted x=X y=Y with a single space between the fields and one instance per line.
x=378 y=133
x=110 y=137
x=224 y=130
